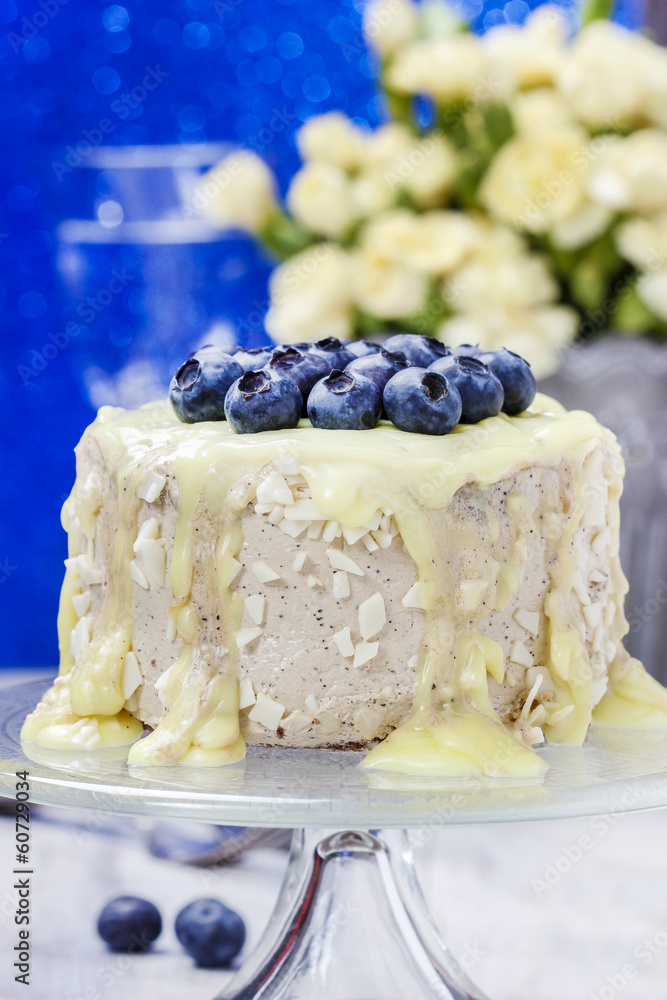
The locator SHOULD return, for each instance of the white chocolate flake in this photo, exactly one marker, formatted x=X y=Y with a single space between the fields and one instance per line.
x=267 y=712
x=132 y=677
x=264 y=572
x=299 y=561
x=138 y=575
x=519 y=654
x=364 y=652
x=245 y=636
x=372 y=616
x=273 y=490
x=151 y=485
x=411 y=599
x=343 y=640
x=254 y=605
x=81 y=603
x=339 y=560
x=528 y=620
x=312 y=704
x=341 y=585
x=246 y=693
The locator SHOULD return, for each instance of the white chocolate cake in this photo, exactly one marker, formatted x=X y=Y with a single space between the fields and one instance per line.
x=448 y=603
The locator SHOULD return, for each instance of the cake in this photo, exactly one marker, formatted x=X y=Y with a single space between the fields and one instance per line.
x=445 y=603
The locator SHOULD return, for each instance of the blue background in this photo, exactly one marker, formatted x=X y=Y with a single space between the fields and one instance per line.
x=228 y=67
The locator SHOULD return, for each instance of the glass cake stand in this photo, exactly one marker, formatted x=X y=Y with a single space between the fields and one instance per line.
x=351 y=922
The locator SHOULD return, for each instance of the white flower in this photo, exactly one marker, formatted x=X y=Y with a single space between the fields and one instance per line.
x=614 y=78
x=372 y=192
x=631 y=174
x=433 y=243
x=386 y=143
x=643 y=242
x=383 y=287
x=239 y=193
x=427 y=171
x=538 y=335
x=506 y=283
x=387 y=24
x=320 y=199
x=448 y=68
x=538 y=110
x=332 y=138
x=538 y=180
x=587 y=223
x=530 y=55
x=652 y=290
x=310 y=296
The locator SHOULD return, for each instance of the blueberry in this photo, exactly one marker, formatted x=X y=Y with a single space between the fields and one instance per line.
x=466 y=351
x=334 y=351
x=263 y=401
x=129 y=924
x=210 y=932
x=379 y=367
x=305 y=369
x=360 y=348
x=198 y=389
x=253 y=358
x=345 y=401
x=421 y=351
x=422 y=401
x=481 y=391
x=517 y=379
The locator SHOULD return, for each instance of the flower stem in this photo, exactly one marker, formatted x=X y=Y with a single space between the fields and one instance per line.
x=596 y=10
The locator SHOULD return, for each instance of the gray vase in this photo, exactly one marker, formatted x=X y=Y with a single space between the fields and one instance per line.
x=623 y=382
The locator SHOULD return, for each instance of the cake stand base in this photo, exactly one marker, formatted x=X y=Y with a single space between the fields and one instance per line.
x=351 y=923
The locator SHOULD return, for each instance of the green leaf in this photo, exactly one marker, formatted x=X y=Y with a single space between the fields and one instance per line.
x=632 y=316
x=596 y=10
x=283 y=237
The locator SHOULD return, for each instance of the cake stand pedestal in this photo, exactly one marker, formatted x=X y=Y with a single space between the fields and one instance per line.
x=350 y=922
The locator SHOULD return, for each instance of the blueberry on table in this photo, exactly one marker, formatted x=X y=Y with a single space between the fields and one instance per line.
x=517 y=379
x=379 y=367
x=198 y=389
x=345 y=401
x=304 y=368
x=334 y=351
x=361 y=348
x=253 y=358
x=481 y=391
x=263 y=401
x=421 y=351
x=129 y=924
x=210 y=932
x=422 y=401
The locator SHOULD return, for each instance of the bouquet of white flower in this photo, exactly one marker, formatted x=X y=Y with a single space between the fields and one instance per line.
x=531 y=208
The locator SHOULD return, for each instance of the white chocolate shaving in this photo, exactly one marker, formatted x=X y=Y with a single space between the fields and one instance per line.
x=341 y=585
x=138 y=575
x=343 y=641
x=339 y=560
x=151 y=485
x=132 y=677
x=364 y=652
x=372 y=616
x=244 y=636
x=246 y=693
x=267 y=712
x=530 y=620
x=254 y=605
x=264 y=572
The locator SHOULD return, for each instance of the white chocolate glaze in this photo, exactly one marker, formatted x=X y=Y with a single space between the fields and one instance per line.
x=351 y=479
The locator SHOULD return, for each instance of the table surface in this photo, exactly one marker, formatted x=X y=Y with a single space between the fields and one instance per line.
x=536 y=911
